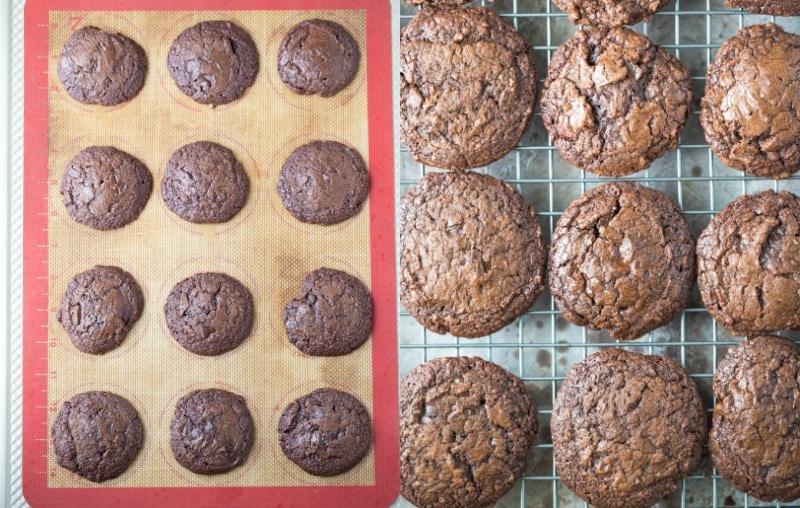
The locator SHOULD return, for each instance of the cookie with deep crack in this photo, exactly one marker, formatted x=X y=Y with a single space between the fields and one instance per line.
x=622 y=260
x=627 y=428
x=467 y=87
x=613 y=102
x=465 y=429
x=98 y=67
x=211 y=431
x=105 y=188
x=471 y=253
x=97 y=435
x=751 y=106
x=748 y=258
x=326 y=432
x=755 y=431
x=213 y=62
x=99 y=308
x=318 y=57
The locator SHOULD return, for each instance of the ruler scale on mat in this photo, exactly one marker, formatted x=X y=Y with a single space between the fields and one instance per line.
x=263 y=246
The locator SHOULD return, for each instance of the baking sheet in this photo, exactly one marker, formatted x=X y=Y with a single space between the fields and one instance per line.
x=263 y=246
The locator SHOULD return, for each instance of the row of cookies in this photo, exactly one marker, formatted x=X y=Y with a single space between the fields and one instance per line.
x=213 y=62
x=628 y=12
x=321 y=182
x=210 y=314
x=626 y=428
x=622 y=258
x=98 y=435
x=612 y=103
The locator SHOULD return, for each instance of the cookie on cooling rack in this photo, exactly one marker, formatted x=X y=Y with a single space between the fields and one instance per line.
x=613 y=102
x=467 y=88
x=465 y=429
x=751 y=106
x=97 y=435
x=622 y=260
x=747 y=260
x=627 y=428
x=774 y=7
x=472 y=258
x=755 y=432
x=609 y=14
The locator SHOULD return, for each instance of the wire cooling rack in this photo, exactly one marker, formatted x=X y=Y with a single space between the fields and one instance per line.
x=541 y=346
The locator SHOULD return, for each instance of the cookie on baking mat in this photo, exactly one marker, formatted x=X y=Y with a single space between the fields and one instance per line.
x=97 y=435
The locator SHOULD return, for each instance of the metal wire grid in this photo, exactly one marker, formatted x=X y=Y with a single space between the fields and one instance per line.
x=541 y=346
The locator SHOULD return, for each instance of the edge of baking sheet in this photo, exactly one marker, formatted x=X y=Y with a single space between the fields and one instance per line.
x=30 y=384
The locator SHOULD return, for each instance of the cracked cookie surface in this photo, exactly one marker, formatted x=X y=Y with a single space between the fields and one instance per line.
x=332 y=316
x=326 y=432
x=213 y=62
x=622 y=259
x=323 y=182
x=751 y=107
x=97 y=435
x=627 y=428
x=472 y=258
x=105 y=188
x=774 y=7
x=748 y=264
x=204 y=183
x=97 y=67
x=99 y=308
x=609 y=13
x=318 y=57
x=755 y=433
x=465 y=429
x=613 y=102
x=211 y=431
x=467 y=87
x=209 y=313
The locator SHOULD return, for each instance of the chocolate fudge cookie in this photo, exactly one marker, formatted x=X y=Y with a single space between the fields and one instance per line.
x=622 y=260
x=440 y=3
x=326 y=432
x=751 y=107
x=105 y=188
x=467 y=87
x=213 y=62
x=609 y=14
x=209 y=313
x=613 y=102
x=99 y=308
x=472 y=258
x=755 y=433
x=323 y=182
x=318 y=57
x=211 y=431
x=204 y=183
x=465 y=429
x=627 y=428
x=97 y=435
x=97 y=67
x=331 y=317
x=774 y=7
x=748 y=258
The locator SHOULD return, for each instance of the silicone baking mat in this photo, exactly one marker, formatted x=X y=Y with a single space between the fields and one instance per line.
x=262 y=246
x=541 y=346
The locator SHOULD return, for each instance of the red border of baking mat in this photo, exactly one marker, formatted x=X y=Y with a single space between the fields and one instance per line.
x=35 y=435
